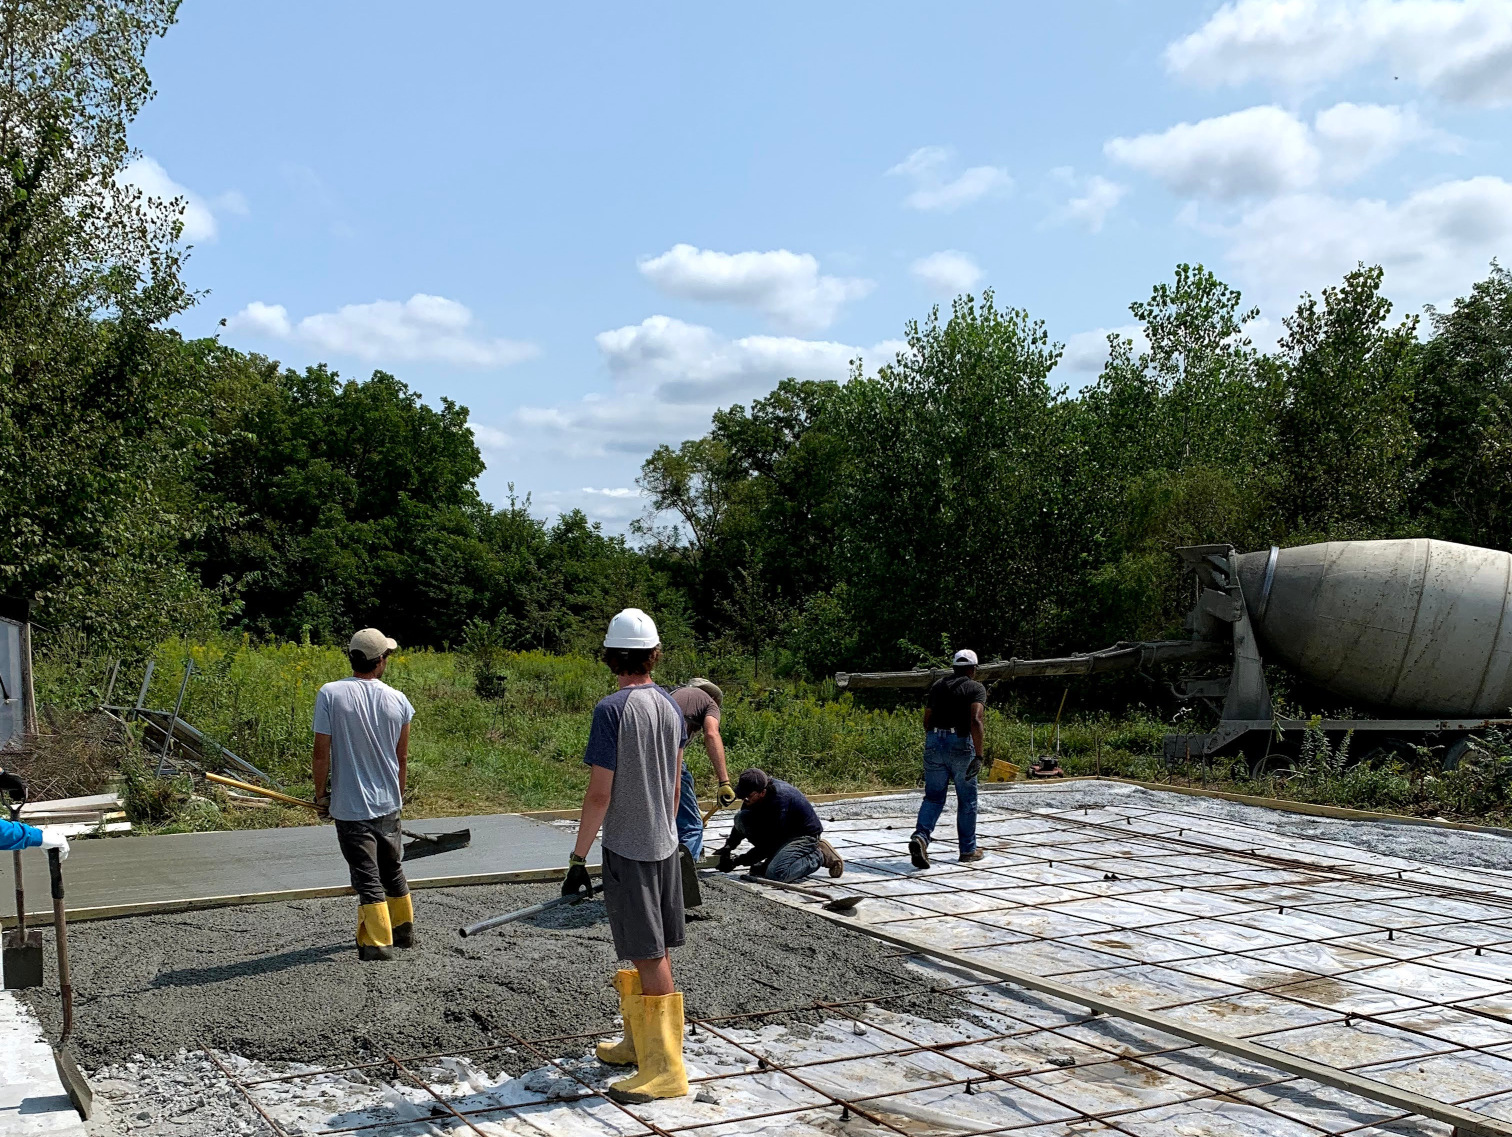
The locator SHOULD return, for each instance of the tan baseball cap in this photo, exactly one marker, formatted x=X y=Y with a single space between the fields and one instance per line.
x=709 y=689
x=372 y=643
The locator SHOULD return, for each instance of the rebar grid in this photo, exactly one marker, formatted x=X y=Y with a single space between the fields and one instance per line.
x=974 y=1079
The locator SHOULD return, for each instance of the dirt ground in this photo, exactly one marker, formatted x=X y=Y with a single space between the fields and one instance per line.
x=281 y=982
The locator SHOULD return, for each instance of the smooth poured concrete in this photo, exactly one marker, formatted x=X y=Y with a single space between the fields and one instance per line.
x=106 y=872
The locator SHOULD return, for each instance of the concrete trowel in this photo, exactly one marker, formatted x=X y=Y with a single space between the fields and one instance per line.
x=23 y=947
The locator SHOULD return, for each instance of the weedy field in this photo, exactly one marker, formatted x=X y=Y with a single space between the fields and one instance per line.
x=508 y=733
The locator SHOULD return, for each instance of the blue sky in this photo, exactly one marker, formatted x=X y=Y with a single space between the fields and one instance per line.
x=594 y=224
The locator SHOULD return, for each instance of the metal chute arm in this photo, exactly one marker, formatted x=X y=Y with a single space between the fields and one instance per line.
x=1119 y=657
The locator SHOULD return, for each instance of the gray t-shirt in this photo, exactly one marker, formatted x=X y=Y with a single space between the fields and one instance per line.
x=639 y=733
x=364 y=718
x=697 y=706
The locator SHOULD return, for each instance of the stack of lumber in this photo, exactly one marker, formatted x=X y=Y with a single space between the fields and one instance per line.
x=78 y=815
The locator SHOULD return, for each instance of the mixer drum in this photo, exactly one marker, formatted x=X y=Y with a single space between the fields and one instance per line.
x=1420 y=627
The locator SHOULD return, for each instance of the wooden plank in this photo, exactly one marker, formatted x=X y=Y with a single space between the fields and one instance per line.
x=1466 y=1122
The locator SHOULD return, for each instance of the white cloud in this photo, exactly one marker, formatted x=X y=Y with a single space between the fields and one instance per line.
x=1266 y=151
x=783 y=285
x=948 y=272
x=926 y=167
x=1355 y=136
x=421 y=329
x=1432 y=244
x=669 y=377
x=1087 y=352
x=1258 y=152
x=1092 y=199
x=490 y=438
x=200 y=224
x=613 y=508
x=1459 y=49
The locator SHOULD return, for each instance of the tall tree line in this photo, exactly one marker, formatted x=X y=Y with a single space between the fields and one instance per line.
x=961 y=496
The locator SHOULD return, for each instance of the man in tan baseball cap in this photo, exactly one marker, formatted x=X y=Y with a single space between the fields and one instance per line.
x=362 y=745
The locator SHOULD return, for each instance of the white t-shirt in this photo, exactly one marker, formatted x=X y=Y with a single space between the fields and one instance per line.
x=364 y=718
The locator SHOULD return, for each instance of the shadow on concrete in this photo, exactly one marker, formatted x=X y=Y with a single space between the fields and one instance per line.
x=247 y=968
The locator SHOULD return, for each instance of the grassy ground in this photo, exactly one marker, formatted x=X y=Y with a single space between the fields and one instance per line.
x=522 y=749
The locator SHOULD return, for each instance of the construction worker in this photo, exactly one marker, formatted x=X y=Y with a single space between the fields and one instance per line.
x=362 y=745
x=784 y=831
x=700 y=702
x=15 y=834
x=953 y=716
x=634 y=756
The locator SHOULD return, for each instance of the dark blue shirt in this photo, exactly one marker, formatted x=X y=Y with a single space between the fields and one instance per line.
x=779 y=817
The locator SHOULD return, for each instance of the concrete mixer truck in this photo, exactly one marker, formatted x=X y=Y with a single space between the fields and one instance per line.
x=1415 y=633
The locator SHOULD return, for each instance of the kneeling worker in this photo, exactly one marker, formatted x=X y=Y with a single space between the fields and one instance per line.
x=362 y=745
x=634 y=753
x=784 y=831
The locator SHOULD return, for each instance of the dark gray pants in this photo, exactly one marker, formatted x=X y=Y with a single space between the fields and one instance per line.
x=374 y=852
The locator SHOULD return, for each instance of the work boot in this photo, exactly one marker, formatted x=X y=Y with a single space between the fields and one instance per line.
x=375 y=934
x=918 y=851
x=627 y=982
x=974 y=855
x=659 y=1044
x=830 y=859
x=401 y=911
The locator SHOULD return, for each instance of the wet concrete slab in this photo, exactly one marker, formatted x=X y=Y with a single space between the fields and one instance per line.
x=107 y=872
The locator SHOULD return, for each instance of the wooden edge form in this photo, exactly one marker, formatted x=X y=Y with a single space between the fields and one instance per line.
x=200 y=903
x=1466 y=1123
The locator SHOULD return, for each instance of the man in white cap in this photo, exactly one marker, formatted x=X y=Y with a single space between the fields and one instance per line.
x=362 y=746
x=634 y=754
x=953 y=717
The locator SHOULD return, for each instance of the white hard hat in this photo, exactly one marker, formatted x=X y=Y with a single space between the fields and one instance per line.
x=632 y=628
x=965 y=658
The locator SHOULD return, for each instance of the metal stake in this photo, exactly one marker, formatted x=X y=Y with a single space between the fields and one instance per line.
x=173 y=722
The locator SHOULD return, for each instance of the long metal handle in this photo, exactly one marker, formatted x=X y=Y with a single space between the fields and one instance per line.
x=510 y=917
x=60 y=933
x=15 y=816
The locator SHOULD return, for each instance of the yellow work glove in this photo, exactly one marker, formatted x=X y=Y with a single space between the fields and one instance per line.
x=726 y=795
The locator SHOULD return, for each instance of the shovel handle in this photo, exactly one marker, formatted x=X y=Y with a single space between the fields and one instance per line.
x=15 y=816
x=60 y=933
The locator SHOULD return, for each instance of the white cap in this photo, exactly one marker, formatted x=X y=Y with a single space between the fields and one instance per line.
x=632 y=628
x=708 y=688
x=965 y=658
x=372 y=643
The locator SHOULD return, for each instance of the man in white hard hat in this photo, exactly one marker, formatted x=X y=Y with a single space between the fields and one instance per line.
x=362 y=746
x=635 y=758
x=953 y=717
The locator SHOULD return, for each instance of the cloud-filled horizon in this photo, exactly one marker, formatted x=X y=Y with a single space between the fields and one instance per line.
x=592 y=299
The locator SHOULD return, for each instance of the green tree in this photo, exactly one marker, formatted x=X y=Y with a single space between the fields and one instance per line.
x=97 y=417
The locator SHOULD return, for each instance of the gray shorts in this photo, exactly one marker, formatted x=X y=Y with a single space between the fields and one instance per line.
x=644 y=900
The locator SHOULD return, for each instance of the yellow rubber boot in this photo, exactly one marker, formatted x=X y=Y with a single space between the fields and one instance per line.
x=622 y=1053
x=375 y=935
x=659 y=1042
x=401 y=914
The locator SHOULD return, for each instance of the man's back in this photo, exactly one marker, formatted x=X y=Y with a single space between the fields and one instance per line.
x=950 y=701
x=638 y=733
x=364 y=718
x=696 y=706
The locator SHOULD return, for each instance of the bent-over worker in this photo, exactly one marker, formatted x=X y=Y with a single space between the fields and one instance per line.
x=700 y=702
x=953 y=716
x=634 y=754
x=362 y=745
x=785 y=833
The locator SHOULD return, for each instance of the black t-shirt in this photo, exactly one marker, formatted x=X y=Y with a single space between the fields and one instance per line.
x=950 y=702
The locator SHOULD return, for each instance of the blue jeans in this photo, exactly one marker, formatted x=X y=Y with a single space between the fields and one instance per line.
x=949 y=758
x=797 y=859
x=690 y=828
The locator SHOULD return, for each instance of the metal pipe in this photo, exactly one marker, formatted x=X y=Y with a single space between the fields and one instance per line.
x=520 y=914
x=1119 y=657
x=142 y=694
x=173 y=720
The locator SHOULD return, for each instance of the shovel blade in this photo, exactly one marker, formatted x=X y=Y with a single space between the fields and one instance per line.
x=429 y=844
x=74 y=1081
x=23 y=960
